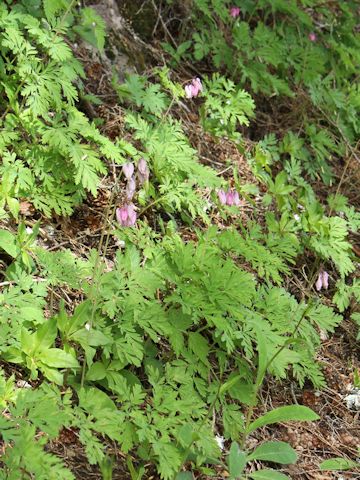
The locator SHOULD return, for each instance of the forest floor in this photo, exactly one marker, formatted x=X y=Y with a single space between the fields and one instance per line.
x=337 y=433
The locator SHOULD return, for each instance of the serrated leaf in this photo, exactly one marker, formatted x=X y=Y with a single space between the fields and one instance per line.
x=199 y=345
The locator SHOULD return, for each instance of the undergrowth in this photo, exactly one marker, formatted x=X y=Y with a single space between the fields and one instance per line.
x=165 y=352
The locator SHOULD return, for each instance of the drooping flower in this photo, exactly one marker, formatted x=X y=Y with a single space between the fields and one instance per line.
x=222 y=197
x=130 y=188
x=236 y=198
x=325 y=279
x=322 y=281
x=143 y=171
x=122 y=216
x=312 y=37
x=197 y=86
x=126 y=215
x=188 y=91
x=128 y=169
x=318 y=284
x=234 y=11
x=229 y=198
x=131 y=215
x=194 y=88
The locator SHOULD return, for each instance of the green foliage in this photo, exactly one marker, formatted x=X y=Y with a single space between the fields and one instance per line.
x=278 y=48
x=174 y=164
x=51 y=154
x=182 y=327
x=225 y=107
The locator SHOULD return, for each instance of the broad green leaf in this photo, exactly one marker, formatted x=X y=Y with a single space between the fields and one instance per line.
x=55 y=357
x=8 y=243
x=338 y=463
x=268 y=474
x=91 y=337
x=298 y=413
x=97 y=371
x=184 y=476
x=45 y=336
x=82 y=315
x=279 y=452
x=236 y=461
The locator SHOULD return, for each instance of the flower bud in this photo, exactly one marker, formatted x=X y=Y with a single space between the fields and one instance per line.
x=143 y=171
x=222 y=197
x=122 y=216
x=131 y=215
x=128 y=169
x=234 y=12
x=229 y=198
x=325 y=280
x=130 y=188
x=236 y=199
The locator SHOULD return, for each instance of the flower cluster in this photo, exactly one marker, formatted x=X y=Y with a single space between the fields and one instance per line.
x=194 y=88
x=234 y=12
x=322 y=281
x=231 y=197
x=126 y=215
x=312 y=37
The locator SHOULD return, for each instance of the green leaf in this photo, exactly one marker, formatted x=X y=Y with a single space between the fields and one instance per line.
x=184 y=476
x=278 y=452
x=97 y=371
x=338 y=463
x=262 y=355
x=46 y=334
x=199 y=345
x=297 y=413
x=8 y=243
x=236 y=461
x=55 y=357
x=229 y=384
x=267 y=474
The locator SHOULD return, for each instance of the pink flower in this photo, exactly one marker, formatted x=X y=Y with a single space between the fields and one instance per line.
x=234 y=12
x=236 y=199
x=194 y=88
x=188 y=91
x=325 y=280
x=229 y=198
x=312 y=37
x=126 y=215
x=128 y=169
x=197 y=86
x=122 y=216
x=130 y=188
x=222 y=197
x=131 y=215
x=322 y=281
x=143 y=171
